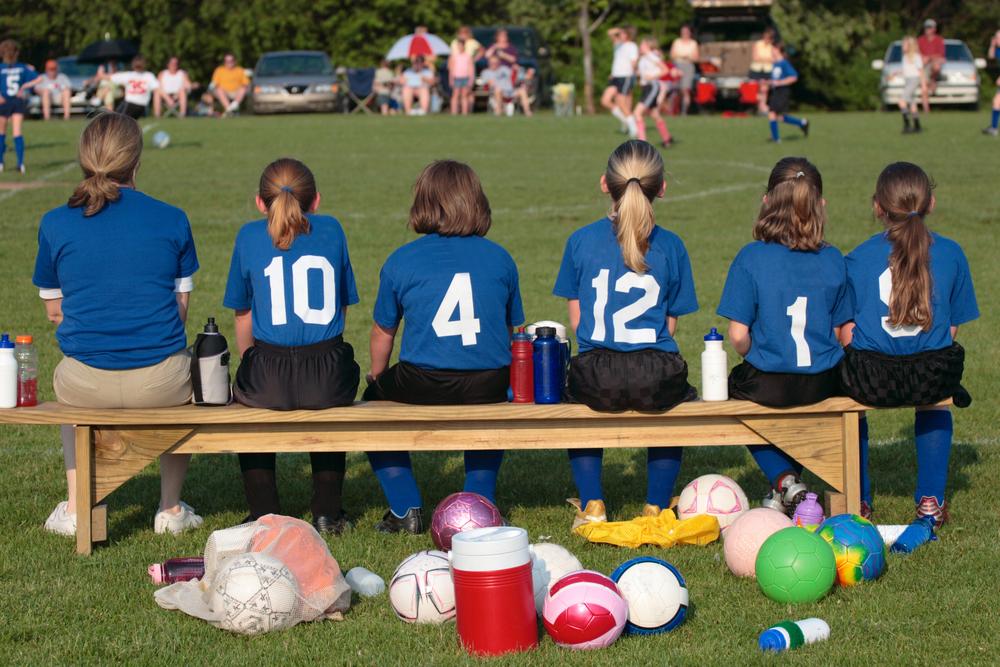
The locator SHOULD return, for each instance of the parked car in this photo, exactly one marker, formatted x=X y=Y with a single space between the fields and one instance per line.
x=532 y=51
x=959 y=82
x=78 y=73
x=287 y=81
x=726 y=31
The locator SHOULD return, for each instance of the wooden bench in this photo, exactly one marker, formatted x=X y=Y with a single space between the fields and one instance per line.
x=112 y=446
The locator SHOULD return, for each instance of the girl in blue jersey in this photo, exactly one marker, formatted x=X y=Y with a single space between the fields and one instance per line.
x=458 y=294
x=290 y=283
x=627 y=281
x=786 y=298
x=779 y=96
x=911 y=291
x=15 y=79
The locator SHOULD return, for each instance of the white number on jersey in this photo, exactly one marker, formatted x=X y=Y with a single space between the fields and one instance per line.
x=275 y=273
x=621 y=318
x=459 y=295
x=797 y=311
x=13 y=82
x=885 y=293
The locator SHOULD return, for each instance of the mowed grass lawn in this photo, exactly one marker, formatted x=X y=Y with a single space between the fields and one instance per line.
x=541 y=175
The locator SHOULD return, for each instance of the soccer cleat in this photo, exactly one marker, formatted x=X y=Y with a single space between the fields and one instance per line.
x=412 y=522
x=331 y=525
x=928 y=506
x=991 y=131
x=866 y=510
x=805 y=128
x=594 y=512
x=60 y=521
x=21 y=169
x=916 y=126
x=1 y=163
x=789 y=491
x=168 y=522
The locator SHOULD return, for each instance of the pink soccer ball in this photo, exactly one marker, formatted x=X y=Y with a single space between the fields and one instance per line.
x=460 y=512
x=584 y=610
x=717 y=495
x=745 y=536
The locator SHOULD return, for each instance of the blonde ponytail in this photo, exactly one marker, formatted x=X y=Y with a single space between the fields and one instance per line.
x=109 y=153
x=288 y=189
x=634 y=177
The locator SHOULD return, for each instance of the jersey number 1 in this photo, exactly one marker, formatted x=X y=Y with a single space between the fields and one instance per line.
x=797 y=311
x=275 y=274
x=459 y=295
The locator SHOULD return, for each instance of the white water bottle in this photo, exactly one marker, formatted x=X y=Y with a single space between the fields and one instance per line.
x=714 y=369
x=364 y=582
x=8 y=374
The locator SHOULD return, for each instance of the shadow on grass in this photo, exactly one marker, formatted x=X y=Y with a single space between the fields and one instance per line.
x=893 y=467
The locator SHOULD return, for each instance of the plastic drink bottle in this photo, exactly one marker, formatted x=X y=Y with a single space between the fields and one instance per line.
x=549 y=370
x=891 y=532
x=8 y=373
x=522 y=377
x=494 y=599
x=27 y=372
x=808 y=513
x=210 y=367
x=560 y=336
x=919 y=532
x=177 y=569
x=364 y=582
x=714 y=369
x=793 y=634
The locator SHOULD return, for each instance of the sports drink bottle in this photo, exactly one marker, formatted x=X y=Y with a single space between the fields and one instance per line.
x=793 y=634
x=210 y=367
x=714 y=369
x=27 y=372
x=8 y=373
x=549 y=370
x=177 y=569
x=808 y=513
x=522 y=377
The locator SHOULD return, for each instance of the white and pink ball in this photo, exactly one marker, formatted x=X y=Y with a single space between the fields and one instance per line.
x=745 y=536
x=716 y=495
x=584 y=610
x=460 y=512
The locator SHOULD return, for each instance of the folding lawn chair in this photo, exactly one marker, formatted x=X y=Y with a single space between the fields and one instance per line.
x=361 y=88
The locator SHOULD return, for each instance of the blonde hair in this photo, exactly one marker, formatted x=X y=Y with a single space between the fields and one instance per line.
x=634 y=178
x=909 y=47
x=109 y=153
x=792 y=212
x=288 y=190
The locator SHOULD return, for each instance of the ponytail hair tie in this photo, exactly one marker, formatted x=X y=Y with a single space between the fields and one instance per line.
x=633 y=179
x=285 y=188
x=913 y=214
x=800 y=174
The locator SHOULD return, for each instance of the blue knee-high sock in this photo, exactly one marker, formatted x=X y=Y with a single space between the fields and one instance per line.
x=866 y=481
x=481 y=470
x=3 y=146
x=19 y=149
x=994 y=119
x=662 y=466
x=773 y=462
x=586 y=466
x=933 y=430
x=774 y=129
x=395 y=473
x=792 y=120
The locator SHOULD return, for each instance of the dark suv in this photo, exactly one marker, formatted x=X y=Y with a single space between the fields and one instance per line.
x=532 y=52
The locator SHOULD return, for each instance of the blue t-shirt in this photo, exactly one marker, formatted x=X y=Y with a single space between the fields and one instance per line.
x=791 y=300
x=296 y=296
x=953 y=299
x=459 y=296
x=620 y=309
x=117 y=272
x=13 y=76
x=782 y=70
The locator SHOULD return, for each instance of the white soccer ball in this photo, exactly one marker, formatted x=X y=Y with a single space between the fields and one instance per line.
x=656 y=594
x=549 y=562
x=257 y=594
x=717 y=495
x=421 y=589
x=161 y=139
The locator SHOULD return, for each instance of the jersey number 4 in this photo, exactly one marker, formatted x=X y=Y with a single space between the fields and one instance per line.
x=275 y=273
x=459 y=295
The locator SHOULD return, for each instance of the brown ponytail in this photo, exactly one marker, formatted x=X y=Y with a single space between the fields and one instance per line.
x=793 y=213
x=902 y=199
x=288 y=190
x=634 y=178
x=109 y=153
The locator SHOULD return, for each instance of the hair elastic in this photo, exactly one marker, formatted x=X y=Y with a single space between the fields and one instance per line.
x=285 y=188
x=913 y=214
x=633 y=179
x=800 y=174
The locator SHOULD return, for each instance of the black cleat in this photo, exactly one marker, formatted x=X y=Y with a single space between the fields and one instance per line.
x=805 y=128
x=329 y=525
x=412 y=522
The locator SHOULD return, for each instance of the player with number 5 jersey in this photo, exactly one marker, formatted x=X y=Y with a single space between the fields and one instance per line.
x=627 y=281
x=911 y=290
x=290 y=283
x=786 y=298
x=459 y=298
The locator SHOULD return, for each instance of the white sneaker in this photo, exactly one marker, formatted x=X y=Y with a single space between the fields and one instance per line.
x=168 y=522
x=60 y=521
x=633 y=129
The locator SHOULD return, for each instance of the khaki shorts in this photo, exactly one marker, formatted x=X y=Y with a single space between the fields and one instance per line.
x=162 y=385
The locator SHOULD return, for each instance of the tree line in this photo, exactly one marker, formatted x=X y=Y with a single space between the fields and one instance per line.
x=833 y=41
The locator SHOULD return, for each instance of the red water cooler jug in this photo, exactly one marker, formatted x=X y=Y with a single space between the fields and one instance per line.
x=494 y=599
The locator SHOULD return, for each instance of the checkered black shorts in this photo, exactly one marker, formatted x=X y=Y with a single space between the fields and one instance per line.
x=644 y=380
x=886 y=381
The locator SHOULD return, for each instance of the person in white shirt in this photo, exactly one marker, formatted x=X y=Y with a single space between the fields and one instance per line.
x=173 y=91
x=139 y=85
x=651 y=70
x=914 y=85
x=54 y=87
x=617 y=97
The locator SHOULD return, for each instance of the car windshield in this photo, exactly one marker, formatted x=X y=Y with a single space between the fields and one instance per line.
x=731 y=29
x=70 y=67
x=294 y=64
x=955 y=52
x=523 y=40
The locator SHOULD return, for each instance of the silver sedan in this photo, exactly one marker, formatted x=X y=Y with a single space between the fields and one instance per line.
x=288 y=81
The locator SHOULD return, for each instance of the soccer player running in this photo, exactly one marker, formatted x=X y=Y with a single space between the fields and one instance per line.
x=651 y=70
x=995 y=114
x=783 y=77
x=15 y=78
x=617 y=97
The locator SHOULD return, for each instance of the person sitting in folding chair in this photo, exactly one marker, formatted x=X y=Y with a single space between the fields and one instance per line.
x=499 y=81
x=361 y=88
x=385 y=82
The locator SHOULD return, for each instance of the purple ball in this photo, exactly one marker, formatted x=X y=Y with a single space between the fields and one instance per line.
x=460 y=512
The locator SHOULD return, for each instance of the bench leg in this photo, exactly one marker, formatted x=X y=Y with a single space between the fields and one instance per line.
x=852 y=462
x=84 y=490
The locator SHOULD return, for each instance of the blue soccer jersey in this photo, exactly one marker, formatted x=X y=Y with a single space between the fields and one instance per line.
x=117 y=272
x=791 y=300
x=782 y=70
x=619 y=308
x=296 y=296
x=13 y=76
x=953 y=298
x=459 y=297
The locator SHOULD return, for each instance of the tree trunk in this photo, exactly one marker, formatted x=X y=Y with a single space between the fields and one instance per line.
x=583 y=24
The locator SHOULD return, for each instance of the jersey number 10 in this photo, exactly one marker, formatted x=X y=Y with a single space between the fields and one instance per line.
x=275 y=274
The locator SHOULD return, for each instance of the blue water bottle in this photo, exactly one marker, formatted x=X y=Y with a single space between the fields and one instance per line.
x=547 y=358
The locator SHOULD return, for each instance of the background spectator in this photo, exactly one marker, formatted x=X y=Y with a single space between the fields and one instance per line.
x=932 y=51
x=385 y=81
x=499 y=79
x=230 y=84
x=472 y=45
x=417 y=81
x=107 y=91
x=761 y=63
x=684 y=53
x=54 y=86
x=461 y=72
x=173 y=91
x=138 y=85
x=503 y=49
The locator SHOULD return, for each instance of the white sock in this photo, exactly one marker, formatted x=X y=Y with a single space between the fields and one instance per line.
x=618 y=113
x=633 y=130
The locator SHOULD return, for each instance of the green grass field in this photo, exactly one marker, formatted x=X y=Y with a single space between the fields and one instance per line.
x=541 y=175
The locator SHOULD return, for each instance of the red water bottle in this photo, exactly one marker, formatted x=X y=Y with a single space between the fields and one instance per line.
x=177 y=569
x=522 y=376
x=494 y=598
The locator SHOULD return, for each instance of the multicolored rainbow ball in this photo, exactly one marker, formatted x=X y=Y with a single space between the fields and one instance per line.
x=857 y=547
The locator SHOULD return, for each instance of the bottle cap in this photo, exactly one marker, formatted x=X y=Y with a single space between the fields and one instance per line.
x=5 y=342
x=23 y=340
x=156 y=572
x=772 y=640
x=211 y=326
x=545 y=332
x=713 y=335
